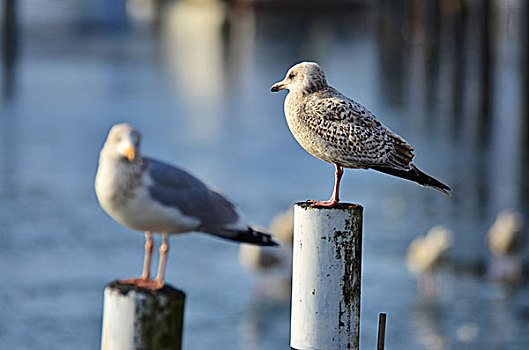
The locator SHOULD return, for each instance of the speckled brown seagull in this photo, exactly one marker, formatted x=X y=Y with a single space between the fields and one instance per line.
x=338 y=130
x=147 y=195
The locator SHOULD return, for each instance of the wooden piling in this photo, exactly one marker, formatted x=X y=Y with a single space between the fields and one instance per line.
x=138 y=318
x=326 y=277
x=524 y=60
x=9 y=47
x=381 y=340
x=432 y=53
x=486 y=85
x=9 y=29
x=459 y=73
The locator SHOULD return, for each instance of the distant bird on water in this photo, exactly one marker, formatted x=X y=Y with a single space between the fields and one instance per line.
x=338 y=130
x=506 y=242
x=147 y=195
x=425 y=255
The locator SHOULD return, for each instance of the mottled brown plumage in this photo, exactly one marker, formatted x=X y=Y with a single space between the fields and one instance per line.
x=341 y=131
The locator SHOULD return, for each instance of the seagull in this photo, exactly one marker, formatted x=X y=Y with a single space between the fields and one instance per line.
x=147 y=195
x=339 y=130
x=505 y=239
x=425 y=255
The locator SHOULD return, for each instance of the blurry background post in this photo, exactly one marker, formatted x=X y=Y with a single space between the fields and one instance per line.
x=9 y=43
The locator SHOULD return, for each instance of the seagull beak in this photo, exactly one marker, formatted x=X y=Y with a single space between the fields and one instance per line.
x=278 y=86
x=130 y=153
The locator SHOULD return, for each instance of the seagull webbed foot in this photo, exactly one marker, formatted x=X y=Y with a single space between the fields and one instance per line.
x=331 y=203
x=144 y=283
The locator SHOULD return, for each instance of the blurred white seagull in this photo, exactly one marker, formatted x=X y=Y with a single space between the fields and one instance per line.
x=506 y=238
x=147 y=195
x=425 y=255
x=338 y=130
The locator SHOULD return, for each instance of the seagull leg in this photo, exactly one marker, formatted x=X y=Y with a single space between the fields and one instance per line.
x=157 y=283
x=148 y=257
x=338 y=178
x=164 y=249
x=335 y=198
x=146 y=275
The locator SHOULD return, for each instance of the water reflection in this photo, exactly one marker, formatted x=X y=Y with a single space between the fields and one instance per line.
x=428 y=324
x=194 y=54
x=263 y=321
x=505 y=329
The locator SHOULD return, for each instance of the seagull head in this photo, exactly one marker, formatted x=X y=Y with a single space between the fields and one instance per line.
x=123 y=143
x=304 y=77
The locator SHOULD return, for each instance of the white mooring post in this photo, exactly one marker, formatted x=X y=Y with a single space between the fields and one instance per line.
x=137 y=318
x=326 y=277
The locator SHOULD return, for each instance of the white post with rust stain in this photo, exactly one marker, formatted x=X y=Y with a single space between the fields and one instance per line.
x=326 y=277
x=136 y=318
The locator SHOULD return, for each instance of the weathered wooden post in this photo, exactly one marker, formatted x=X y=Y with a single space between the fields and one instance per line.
x=326 y=277
x=381 y=339
x=138 y=318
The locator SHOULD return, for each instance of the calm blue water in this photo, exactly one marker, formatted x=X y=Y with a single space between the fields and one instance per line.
x=198 y=89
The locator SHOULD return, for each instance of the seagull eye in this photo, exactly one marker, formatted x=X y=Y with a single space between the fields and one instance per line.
x=291 y=76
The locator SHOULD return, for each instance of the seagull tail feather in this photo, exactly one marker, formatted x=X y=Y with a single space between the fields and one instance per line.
x=414 y=174
x=250 y=236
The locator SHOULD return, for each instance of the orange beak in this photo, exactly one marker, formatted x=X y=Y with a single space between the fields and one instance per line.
x=130 y=153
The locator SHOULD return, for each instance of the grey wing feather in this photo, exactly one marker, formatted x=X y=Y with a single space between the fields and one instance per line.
x=357 y=135
x=174 y=187
x=167 y=175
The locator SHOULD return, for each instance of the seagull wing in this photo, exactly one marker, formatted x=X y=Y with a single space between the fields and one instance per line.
x=359 y=140
x=173 y=187
x=357 y=136
x=176 y=188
